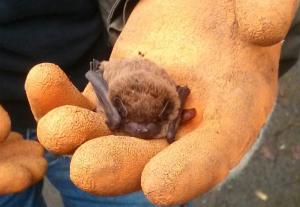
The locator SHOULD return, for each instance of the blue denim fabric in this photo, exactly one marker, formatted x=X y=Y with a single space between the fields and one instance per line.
x=58 y=174
x=31 y=197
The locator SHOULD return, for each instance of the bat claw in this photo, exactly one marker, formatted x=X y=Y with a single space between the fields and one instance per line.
x=94 y=65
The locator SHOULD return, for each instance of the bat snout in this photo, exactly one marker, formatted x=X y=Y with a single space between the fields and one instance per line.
x=141 y=130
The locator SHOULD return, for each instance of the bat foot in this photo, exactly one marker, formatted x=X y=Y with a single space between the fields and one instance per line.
x=183 y=114
x=187 y=115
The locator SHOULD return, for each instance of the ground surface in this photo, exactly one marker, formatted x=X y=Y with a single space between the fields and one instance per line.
x=272 y=177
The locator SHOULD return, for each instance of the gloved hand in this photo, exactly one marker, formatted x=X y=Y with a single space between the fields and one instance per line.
x=21 y=161
x=226 y=52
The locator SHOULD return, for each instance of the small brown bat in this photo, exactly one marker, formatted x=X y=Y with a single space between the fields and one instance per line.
x=139 y=98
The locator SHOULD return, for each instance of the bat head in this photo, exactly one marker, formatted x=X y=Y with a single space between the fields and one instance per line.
x=146 y=102
x=145 y=108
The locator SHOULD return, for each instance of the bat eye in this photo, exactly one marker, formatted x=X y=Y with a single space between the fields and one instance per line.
x=118 y=103
x=167 y=109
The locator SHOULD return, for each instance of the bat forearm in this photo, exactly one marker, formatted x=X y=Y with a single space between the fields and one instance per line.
x=101 y=90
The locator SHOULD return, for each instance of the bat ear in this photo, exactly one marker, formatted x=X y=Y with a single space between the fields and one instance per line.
x=167 y=109
x=118 y=103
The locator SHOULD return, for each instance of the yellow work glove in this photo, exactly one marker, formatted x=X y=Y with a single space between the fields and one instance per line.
x=21 y=161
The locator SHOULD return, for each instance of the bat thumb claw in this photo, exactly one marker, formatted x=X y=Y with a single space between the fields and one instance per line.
x=113 y=124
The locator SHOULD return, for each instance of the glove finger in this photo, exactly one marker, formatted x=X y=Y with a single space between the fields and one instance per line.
x=22 y=147
x=48 y=87
x=14 y=136
x=5 y=124
x=37 y=166
x=112 y=165
x=65 y=128
x=14 y=178
x=255 y=30
x=89 y=93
